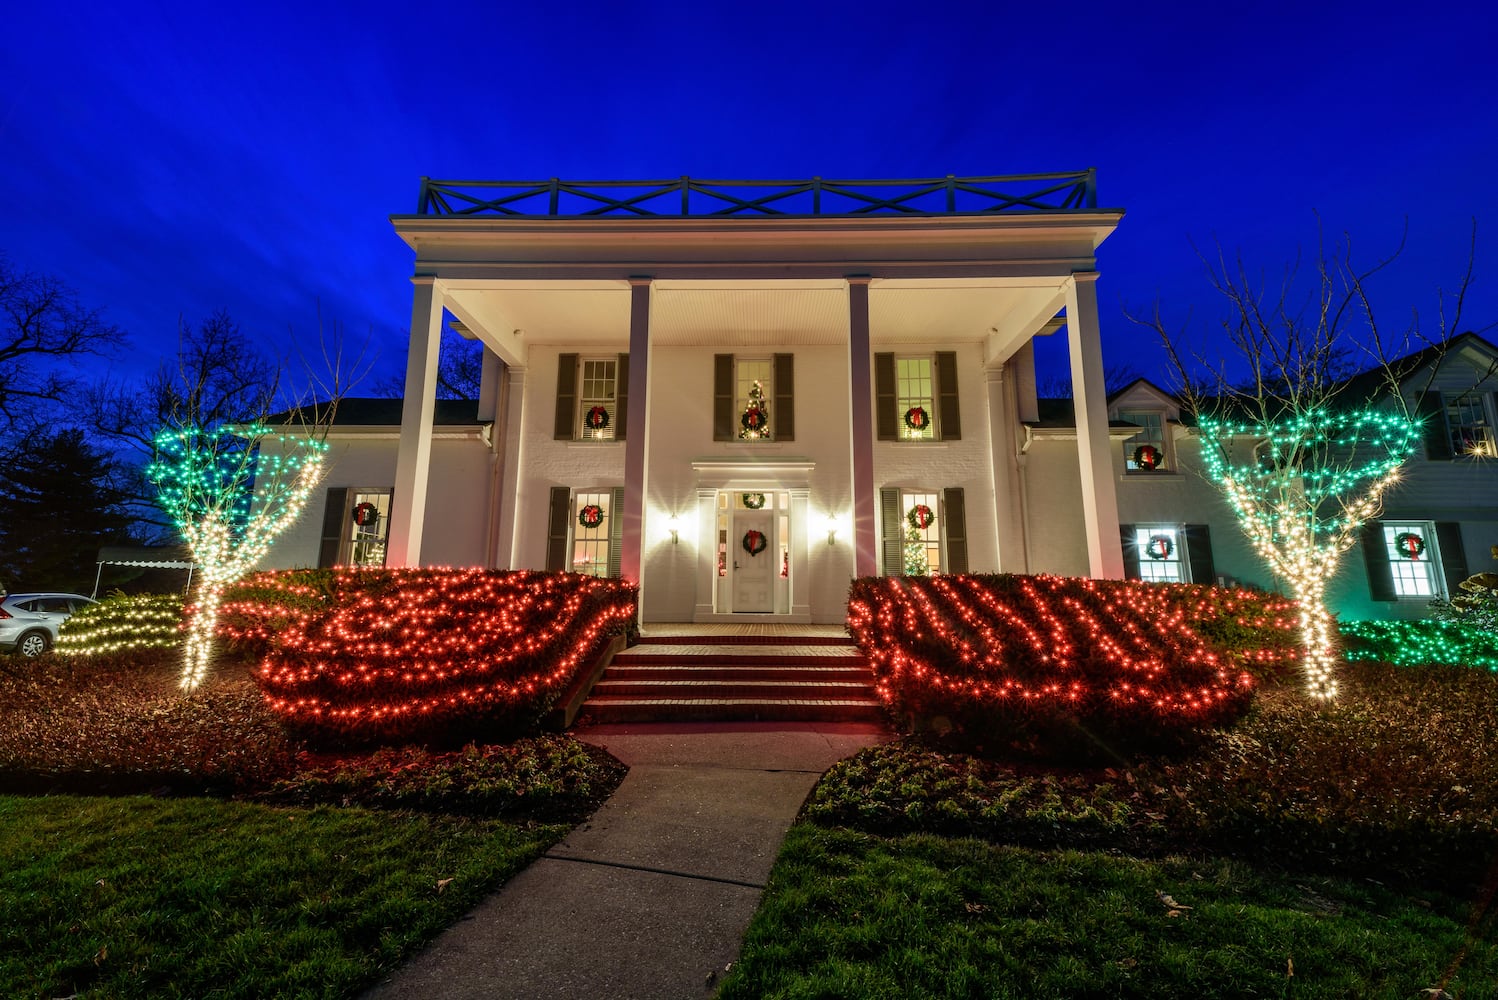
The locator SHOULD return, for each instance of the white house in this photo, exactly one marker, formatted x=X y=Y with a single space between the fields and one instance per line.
x=743 y=394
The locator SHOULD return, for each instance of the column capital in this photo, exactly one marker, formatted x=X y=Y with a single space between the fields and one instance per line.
x=423 y=279
x=1084 y=276
x=858 y=279
x=637 y=280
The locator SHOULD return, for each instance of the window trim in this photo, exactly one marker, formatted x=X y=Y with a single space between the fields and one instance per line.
x=1434 y=565
x=1180 y=558
x=741 y=401
x=931 y=404
x=586 y=402
x=346 y=541
x=1489 y=425
x=1127 y=446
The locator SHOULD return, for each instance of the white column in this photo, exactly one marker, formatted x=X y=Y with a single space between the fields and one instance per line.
x=413 y=461
x=861 y=409
x=1002 y=419
x=803 y=532
x=636 y=442
x=508 y=498
x=1094 y=450
x=707 y=555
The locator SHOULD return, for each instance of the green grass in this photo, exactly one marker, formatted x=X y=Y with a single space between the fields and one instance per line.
x=855 y=915
x=143 y=897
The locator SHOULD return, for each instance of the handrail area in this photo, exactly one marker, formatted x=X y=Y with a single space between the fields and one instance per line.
x=686 y=196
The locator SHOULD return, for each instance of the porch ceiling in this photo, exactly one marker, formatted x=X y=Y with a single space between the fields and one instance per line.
x=743 y=313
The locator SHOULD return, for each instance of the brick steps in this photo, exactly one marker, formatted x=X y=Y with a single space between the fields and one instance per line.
x=789 y=678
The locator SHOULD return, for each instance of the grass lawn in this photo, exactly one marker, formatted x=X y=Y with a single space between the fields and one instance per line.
x=856 y=915
x=144 y=897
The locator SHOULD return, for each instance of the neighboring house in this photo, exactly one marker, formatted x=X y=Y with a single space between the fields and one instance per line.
x=744 y=410
x=1447 y=496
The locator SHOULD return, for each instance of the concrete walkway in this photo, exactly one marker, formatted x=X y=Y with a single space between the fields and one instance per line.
x=651 y=897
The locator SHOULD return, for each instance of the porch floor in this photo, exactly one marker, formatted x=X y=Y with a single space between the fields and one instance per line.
x=656 y=630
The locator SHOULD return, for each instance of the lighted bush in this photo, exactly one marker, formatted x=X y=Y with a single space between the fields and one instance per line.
x=1026 y=660
x=259 y=607
x=1418 y=643
x=436 y=653
x=122 y=624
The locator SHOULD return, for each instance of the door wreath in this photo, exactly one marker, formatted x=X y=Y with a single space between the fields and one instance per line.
x=754 y=542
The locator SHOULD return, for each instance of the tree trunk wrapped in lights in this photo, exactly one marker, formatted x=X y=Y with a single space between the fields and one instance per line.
x=230 y=498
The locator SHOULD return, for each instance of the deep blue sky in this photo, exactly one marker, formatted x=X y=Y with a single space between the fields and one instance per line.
x=167 y=161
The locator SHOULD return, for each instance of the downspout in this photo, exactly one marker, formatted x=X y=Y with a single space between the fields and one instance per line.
x=1022 y=494
x=497 y=435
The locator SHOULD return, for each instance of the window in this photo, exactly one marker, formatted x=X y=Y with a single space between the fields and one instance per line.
x=752 y=394
x=1162 y=553
x=1412 y=558
x=915 y=399
x=591 y=519
x=366 y=528
x=1145 y=451
x=1469 y=424
x=921 y=553
x=597 y=409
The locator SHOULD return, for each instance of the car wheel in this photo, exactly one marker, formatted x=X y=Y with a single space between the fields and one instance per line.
x=32 y=644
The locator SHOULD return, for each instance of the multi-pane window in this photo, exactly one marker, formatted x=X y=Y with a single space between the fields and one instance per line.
x=915 y=397
x=598 y=411
x=921 y=553
x=1145 y=451
x=590 y=532
x=1162 y=556
x=1412 y=558
x=752 y=393
x=367 y=528
x=1469 y=424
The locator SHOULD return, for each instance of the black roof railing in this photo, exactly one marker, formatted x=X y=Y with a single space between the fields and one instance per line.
x=685 y=196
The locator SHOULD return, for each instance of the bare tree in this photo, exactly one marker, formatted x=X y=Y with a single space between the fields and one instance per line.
x=460 y=370
x=1302 y=450
x=45 y=330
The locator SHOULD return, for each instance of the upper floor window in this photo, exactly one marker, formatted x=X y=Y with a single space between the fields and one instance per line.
x=592 y=397
x=1145 y=451
x=1412 y=558
x=752 y=382
x=1469 y=424
x=915 y=399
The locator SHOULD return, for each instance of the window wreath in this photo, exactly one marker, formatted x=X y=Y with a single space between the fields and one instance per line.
x=753 y=501
x=1409 y=544
x=920 y=517
x=365 y=514
x=596 y=418
x=754 y=421
x=917 y=419
x=754 y=542
x=1159 y=547
x=1148 y=457
x=590 y=516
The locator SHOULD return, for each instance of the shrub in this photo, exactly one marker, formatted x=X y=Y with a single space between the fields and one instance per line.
x=259 y=607
x=1417 y=643
x=1028 y=660
x=434 y=653
x=120 y=623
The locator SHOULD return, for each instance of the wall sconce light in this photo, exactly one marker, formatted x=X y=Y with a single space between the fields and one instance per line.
x=831 y=528
x=675 y=525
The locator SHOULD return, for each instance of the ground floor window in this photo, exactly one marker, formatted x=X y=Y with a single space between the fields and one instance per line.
x=1162 y=553
x=1412 y=558
x=922 y=547
x=592 y=515
x=366 y=528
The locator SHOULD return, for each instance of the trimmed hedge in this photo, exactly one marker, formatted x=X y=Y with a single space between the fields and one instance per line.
x=1027 y=661
x=1417 y=643
x=408 y=654
x=120 y=624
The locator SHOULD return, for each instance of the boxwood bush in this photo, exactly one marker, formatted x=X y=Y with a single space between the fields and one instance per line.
x=120 y=623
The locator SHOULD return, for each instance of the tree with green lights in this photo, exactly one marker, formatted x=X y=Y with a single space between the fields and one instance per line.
x=1302 y=449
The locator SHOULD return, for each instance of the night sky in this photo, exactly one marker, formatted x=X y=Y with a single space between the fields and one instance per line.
x=170 y=161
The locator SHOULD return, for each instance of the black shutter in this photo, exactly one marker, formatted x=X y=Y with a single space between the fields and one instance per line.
x=723 y=397
x=621 y=397
x=1453 y=557
x=556 y=528
x=783 y=414
x=949 y=419
x=565 y=428
x=1199 y=554
x=955 y=513
x=885 y=427
x=1130 y=551
x=1432 y=411
x=616 y=530
x=332 y=526
x=892 y=539
x=1376 y=558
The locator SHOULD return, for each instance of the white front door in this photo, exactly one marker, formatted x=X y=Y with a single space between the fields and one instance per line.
x=753 y=575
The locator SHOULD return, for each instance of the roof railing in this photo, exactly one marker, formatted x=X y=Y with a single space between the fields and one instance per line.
x=686 y=196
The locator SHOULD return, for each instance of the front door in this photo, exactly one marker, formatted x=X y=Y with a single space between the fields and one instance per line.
x=753 y=572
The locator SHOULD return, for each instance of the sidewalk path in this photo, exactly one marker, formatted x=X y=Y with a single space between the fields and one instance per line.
x=650 y=898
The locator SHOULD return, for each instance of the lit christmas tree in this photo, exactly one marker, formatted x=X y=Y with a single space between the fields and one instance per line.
x=916 y=563
x=754 y=423
x=229 y=499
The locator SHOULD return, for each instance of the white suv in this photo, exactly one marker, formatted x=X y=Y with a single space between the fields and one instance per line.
x=28 y=622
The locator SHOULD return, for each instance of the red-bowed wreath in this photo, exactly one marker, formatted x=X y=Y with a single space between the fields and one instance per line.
x=1409 y=544
x=1159 y=547
x=597 y=418
x=590 y=516
x=754 y=542
x=917 y=419
x=920 y=517
x=365 y=513
x=753 y=421
x=1148 y=457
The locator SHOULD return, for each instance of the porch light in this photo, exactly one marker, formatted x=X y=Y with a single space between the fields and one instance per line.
x=831 y=528
x=675 y=525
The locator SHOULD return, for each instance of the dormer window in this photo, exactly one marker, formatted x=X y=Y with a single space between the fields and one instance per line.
x=1145 y=452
